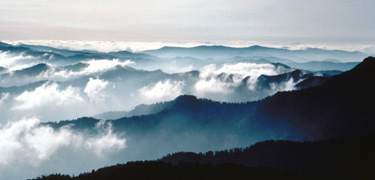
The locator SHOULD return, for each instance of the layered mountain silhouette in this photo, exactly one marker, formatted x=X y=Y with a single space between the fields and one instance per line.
x=343 y=158
x=203 y=52
x=65 y=56
x=343 y=106
x=171 y=58
x=323 y=65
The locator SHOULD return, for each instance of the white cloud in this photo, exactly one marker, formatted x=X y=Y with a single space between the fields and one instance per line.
x=284 y=86
x=229 y=76
x=55 y=73
x=16 y=62
x=93 y=67
x=27 y=141
x=104 y=65
x=94 y=89
x=46 y=95
x=106 y=142
x=162 y=90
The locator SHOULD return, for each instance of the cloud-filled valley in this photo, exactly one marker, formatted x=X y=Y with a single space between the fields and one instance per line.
x=65 y=92
x=48 y=94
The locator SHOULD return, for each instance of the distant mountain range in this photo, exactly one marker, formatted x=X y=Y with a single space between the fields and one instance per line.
x=171 y=58
x=204 y=52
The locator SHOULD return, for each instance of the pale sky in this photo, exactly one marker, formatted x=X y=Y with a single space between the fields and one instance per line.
x=189 y=20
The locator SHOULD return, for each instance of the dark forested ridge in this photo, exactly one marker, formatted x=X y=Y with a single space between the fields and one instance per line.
x=343 y=158
x=184 y=171
x=343 y=106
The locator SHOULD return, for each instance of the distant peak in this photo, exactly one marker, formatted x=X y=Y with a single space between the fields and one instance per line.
x=186 y=101
x=186 y=98
x=256 y=46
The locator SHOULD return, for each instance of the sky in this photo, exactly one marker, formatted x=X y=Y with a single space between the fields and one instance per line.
x=187 y=21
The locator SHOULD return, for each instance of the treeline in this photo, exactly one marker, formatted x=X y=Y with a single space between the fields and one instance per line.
x=343 y=158
x=182 y=171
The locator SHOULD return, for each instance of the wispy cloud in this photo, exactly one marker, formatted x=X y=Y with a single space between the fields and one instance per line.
x=162 y=90
x=16 y=62
x=93 y=67
x=28 y=142
x=94 y=89
x=228 y=77
x=47 y=95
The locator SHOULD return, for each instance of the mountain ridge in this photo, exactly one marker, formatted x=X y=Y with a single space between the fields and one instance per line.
x=224 y=51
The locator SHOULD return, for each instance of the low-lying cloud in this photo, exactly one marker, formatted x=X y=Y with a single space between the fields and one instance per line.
x=228 y=77
x=162 y=90
x=47 y=95
x=94 y=89
x=94 y=67
x=28 y=142
x=16 y=62
x=53 y=72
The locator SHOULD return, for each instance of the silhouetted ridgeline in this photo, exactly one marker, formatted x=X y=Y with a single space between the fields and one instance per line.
x=204 y=52
x=343 y=106
x=343 y=158
x=309 y=59
x=184 y=171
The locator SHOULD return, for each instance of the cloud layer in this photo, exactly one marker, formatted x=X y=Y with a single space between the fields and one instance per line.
x=27 y=143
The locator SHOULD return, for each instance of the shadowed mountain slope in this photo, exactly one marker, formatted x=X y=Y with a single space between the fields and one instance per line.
x=344 y=105
x=159 y=170
x=343 y=158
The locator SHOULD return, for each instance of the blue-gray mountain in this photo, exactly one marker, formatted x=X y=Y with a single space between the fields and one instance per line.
x=343 y=106
x=171 y=58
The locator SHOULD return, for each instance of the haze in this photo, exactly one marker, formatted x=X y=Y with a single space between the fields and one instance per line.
x=189 y=21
